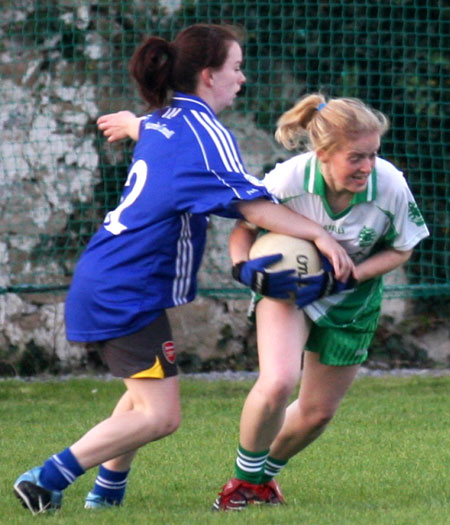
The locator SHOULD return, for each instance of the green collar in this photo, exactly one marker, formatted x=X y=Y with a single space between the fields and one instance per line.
x=315 y=183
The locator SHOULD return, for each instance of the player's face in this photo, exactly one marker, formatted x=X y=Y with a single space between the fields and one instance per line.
x=348 y=168
x=227 y=81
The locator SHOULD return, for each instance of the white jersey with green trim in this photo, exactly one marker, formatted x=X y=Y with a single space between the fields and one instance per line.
x=385 y=215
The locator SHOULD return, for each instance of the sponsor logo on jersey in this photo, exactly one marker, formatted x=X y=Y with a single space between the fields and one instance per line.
x=168 y=349
x=414 y=214
x=334 y=228
x=366 y=236
x=162 y=128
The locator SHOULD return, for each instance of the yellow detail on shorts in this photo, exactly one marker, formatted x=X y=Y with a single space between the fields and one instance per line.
x=155 y=372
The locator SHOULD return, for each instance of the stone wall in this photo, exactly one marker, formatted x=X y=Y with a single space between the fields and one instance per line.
x=209 y=334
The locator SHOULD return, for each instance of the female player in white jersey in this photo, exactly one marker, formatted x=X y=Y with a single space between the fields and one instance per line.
x=365 y=203
x=145 y=256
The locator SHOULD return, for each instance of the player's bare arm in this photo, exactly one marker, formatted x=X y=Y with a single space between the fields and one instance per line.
x=280 y=219
x=381 y=263
x=240 y=241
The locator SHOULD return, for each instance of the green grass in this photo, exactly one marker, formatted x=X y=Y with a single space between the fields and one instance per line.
x=385 y=459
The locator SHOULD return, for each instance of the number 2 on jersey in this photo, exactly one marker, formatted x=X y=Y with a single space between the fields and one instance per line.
x=112 y=220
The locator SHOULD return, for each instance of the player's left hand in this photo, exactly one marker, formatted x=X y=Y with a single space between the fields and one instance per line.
x=325 y=283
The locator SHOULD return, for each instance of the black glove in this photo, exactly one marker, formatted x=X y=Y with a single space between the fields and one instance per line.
x=272 y=284
x=324 y=283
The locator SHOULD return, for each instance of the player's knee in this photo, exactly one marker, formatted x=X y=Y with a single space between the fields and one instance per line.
x=319 y=417
x=170 y=423
x=173 y=424
x=159 y=425
x=278 y=389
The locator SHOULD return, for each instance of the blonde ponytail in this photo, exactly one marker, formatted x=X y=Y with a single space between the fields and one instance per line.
x=314 y=123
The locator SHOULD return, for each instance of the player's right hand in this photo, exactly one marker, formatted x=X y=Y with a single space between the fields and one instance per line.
x=340 y=260
x=117 y=126
x=325 y=283
x=271 y=284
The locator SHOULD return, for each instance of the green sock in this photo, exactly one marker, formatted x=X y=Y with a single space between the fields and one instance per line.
x=249 y=465
x=272 y=467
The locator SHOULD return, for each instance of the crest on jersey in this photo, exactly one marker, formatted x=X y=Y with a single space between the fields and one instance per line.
x=168 y=349
x=414 y=214
x=366 y=236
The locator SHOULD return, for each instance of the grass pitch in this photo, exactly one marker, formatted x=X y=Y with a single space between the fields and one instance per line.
x=385 y=459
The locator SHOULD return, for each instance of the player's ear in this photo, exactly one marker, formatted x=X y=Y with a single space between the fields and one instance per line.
x=206 y=76
x=322 y=155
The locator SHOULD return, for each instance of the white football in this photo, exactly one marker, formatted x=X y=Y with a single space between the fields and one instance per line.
x=298 y=254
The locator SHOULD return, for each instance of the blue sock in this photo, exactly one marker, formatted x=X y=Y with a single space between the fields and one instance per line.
x=59 y=471
x=111 y=484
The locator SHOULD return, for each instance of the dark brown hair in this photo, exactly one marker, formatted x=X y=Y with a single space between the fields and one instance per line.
x=159 y=66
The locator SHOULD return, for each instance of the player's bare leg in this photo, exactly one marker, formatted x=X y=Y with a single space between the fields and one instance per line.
x=282 y=332
x=123 y=462
x=155 y=413
x=149 y=411
x=322 y=389
x=110 y=484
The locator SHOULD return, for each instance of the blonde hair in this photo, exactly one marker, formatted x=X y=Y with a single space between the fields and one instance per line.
x=314 y=123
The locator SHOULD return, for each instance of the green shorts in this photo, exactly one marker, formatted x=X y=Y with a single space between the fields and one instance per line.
x=339 y=347
x=343 y=325
x=342 y=332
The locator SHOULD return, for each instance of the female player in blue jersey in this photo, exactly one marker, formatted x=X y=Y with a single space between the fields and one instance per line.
x=365 y=202
x=145 y=257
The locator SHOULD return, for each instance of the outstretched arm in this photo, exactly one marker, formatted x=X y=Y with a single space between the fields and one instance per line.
x=120 y=125
x=241 y=239
x=280 y=219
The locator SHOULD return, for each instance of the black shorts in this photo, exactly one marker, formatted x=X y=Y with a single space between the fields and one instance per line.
x=149 y=353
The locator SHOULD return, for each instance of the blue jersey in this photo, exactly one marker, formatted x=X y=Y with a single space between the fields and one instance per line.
x=146 y=255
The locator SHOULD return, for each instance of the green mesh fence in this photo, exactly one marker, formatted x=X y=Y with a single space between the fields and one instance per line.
x=65 y=62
